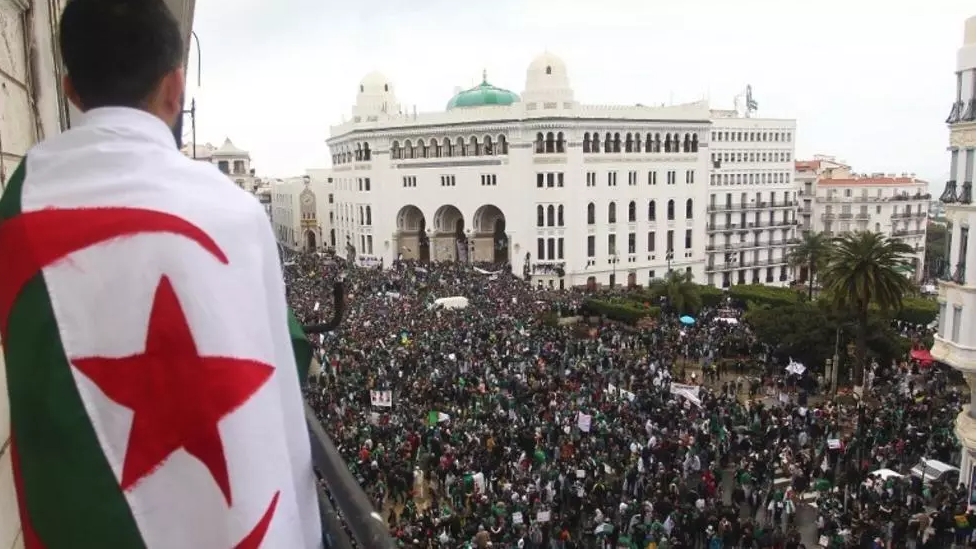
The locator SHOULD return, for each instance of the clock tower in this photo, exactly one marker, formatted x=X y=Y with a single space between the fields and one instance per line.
x=308 y=222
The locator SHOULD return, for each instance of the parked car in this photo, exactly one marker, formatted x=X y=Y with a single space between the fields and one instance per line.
x=931 y=470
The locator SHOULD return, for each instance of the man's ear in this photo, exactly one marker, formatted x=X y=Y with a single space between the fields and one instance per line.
x=72 y=94
x=171 y=96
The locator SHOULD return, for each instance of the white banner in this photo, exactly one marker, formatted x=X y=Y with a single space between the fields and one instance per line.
x=381 y=398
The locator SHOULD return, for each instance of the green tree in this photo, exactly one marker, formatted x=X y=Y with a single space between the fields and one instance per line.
x=865 y=270
x=936 y=235
x=810 y=253
x=679 y=291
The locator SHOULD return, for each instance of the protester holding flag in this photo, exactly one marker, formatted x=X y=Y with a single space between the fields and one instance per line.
x=154 y=399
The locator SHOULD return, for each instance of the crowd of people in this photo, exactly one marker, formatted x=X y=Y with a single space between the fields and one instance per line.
x=488 y=420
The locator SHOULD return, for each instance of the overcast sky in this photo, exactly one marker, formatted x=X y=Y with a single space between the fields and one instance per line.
x=868 y=81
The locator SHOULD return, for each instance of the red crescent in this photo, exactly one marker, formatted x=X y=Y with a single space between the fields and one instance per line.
x=254 y=538
x=31 y=241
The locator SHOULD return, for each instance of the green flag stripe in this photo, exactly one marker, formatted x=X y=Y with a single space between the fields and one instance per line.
x=302 y=350
x=72 y=496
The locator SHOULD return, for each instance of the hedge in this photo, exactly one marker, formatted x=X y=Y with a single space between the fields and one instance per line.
x=621 y=310
x=917 y=310
x=765 y=296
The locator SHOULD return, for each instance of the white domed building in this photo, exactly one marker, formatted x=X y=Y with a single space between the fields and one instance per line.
x=568 y=193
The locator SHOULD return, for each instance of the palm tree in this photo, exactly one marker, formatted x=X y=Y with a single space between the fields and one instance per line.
x=811 y=252
x=679 y=291
x=865 y=270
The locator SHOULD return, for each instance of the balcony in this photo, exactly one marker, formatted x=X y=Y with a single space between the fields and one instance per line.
x=828 y=217
x=963 y=111
x=846 y=215
x=909 y=232
x=902 y=215
x=862 y=216
x=966 y=193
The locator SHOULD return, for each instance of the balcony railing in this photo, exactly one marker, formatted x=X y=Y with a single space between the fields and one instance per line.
x=956 y=275
x=862 y=216
x=909 y=232
x=962 y=111
x=345 y=510
x=966 y=193
x=761 y=205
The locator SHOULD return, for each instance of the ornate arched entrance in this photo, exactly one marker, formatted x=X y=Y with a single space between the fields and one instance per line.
x=410 y=236
x=451 y=242
x=491 y=243
x=310 y=238
x=631 y=279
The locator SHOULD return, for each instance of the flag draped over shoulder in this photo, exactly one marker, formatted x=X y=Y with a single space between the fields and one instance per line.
x=153 y=393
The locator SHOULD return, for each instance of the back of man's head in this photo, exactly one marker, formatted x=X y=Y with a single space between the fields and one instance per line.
x=118 y=52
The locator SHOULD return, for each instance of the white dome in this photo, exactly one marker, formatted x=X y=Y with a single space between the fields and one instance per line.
x=375 y=83
x=547 y=80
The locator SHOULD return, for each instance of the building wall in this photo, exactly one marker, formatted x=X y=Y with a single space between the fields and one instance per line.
x=835 y=200
x=292 y=220
x=955 y=339
x=752 y=201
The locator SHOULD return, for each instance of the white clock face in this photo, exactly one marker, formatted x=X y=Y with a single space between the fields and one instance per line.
x=307 y=199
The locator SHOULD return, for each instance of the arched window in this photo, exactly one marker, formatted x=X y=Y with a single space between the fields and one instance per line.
x=367 y=215
x=587 y=143
x=551 y=216
x=694 y=143
x=631 y=212
x=652 y=210
x=360 y=216
x=560 y=142
x=611 y=217
x=539 y=143
x=433 y=150
x=689 y=209
x=366 y=151
x=420 y=150
x=501 y=144
x=357 y=152
x=637 y=144
x=488 y=146
x=460 y=149
x=549 y=143
x=676 y=147
x=656 y=143
x=649 y=146
x=629 y=142
x=670 y=210
x=590 y=214
x=687 y=142
x=396 y=151
x=540 y=215
x=547 y=70
x=561 y=215
x=595 y=142
x=608 y=145
x=617 y=143
x=447 y=147
x=474 y=146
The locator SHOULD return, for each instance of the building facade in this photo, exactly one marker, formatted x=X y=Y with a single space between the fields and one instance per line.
x=752 y=202
x=955 y=338
x=301 y=211
x=229 y=159
x=835 y=200
x=566 y=193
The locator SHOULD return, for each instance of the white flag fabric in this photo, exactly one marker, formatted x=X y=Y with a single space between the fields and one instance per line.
x=176 y=332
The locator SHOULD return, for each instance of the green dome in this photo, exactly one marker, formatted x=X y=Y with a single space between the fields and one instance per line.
x=484 y=94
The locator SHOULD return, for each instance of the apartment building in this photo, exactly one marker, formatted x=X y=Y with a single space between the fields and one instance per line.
x=835 y=200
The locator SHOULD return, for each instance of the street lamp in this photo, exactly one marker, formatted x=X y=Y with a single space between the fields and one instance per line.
x=670 y=257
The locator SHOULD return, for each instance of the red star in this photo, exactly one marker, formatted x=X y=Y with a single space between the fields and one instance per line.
x=177 y=396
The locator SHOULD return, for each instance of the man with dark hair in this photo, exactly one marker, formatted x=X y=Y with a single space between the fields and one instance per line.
x=154 y=395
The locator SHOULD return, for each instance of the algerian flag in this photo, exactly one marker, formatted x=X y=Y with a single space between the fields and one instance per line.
x=154 y=399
